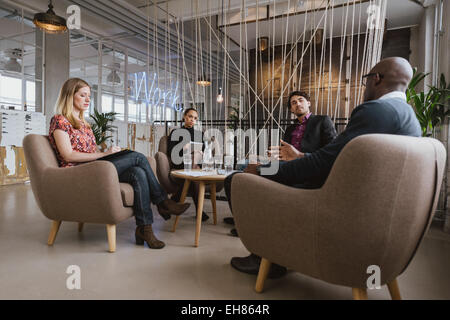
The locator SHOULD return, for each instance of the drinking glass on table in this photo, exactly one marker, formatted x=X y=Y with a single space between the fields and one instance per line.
x=218 y=162
x=229 y=162
x=187 y=162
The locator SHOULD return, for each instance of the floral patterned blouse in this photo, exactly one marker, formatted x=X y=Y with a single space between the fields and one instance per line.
x=82 y=140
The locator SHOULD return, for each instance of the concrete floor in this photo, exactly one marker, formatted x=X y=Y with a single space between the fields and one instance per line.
x=29 y=269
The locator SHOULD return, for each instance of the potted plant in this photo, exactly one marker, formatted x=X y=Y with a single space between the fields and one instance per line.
x=431 y=108
x=102 y=126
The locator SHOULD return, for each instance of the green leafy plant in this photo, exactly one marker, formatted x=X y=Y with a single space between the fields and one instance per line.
x=431 y=108
x=101 y=127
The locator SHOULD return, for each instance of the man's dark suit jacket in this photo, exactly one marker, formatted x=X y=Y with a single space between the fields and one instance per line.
x=319 y=132
x=389 y=116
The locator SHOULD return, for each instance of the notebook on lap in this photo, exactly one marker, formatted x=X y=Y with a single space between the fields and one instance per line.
x=115 y=155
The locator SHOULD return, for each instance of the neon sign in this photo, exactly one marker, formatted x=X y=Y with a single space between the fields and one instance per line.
x=154 y=95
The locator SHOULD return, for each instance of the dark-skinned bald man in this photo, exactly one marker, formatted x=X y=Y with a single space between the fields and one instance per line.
x=384 y=111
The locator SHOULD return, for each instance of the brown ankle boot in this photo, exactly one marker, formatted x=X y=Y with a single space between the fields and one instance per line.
x=145 y=233
x=168 y=207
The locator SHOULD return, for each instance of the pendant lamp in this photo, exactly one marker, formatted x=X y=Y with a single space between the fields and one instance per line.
x=49 y=22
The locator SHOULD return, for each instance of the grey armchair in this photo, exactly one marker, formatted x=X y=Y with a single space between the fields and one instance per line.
x=87 y=193
x=374 y=209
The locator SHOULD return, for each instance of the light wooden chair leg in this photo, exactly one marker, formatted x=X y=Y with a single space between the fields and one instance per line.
x=80 y=226
x=359 y=294
x=111 y=231
x=53 y=231
x=182 y=199
x=264 y=269
x=213 y=202
x=394 y=290
x=174 y=227
x=201 y=199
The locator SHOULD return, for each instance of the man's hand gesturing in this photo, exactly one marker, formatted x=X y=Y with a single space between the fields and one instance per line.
x=285 y=152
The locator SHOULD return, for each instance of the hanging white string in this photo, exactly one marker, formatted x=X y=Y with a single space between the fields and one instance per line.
x=303 y=48
x=284 y=41
x=282 y=65
x=319 y=89
x=287 y=86
x=357 y=75
x=341 y=59
x=210 y=70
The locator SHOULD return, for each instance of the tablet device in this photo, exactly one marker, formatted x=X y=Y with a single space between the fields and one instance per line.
x=115 y=155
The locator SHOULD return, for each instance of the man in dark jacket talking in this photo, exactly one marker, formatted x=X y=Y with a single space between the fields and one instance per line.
x=384 y=110
x=307 y=134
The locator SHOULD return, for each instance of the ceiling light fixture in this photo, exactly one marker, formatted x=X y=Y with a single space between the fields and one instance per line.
x=13 y=65
x=113 y=78
x=263 y=43
x=49 y=22
x=203 y=81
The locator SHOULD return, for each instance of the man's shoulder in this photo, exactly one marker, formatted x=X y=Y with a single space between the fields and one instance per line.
x=394 y=105
x=319 y=118
x=385 y=102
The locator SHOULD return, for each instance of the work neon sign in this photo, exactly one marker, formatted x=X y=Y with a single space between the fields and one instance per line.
x=146 y=89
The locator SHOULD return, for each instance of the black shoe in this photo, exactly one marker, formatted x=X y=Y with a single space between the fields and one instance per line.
x=250 y=265
x=229 y=220
x=234 y=233
x=204 y=216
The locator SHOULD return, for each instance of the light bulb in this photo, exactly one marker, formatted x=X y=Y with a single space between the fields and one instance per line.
x=220 y=96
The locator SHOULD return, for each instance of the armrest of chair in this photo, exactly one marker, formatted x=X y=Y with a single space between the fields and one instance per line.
x=152 y=163
x=89 y=192
x=163 y=172
x=275 y=221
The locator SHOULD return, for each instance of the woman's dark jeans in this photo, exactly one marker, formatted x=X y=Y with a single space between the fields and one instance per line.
x=134 y=168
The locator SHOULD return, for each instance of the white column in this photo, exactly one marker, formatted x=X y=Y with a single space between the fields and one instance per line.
x=56 y=63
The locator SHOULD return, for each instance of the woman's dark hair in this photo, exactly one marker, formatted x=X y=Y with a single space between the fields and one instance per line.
x=187 y=111
x=297 y=93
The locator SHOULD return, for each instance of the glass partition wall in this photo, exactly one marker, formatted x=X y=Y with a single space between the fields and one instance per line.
x=20 y=63
x=123 y=81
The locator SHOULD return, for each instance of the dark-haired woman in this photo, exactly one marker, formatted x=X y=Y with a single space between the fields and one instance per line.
x=190 y=118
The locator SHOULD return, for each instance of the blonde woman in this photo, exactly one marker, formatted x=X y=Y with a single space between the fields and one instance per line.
x=74 y=142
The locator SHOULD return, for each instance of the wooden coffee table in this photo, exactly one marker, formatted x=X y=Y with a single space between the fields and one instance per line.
x=210 y=179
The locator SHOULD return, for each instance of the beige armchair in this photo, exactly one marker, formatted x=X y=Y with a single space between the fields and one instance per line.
x=163 y=167
x=374 y=209
x=87 y=193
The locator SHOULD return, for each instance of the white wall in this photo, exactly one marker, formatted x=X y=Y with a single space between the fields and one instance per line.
x=422 y=45
x=56 y=68
x=445 y=42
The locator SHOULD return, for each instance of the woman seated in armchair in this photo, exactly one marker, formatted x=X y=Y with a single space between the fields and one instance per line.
x=190 y=117
x=73 y=141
